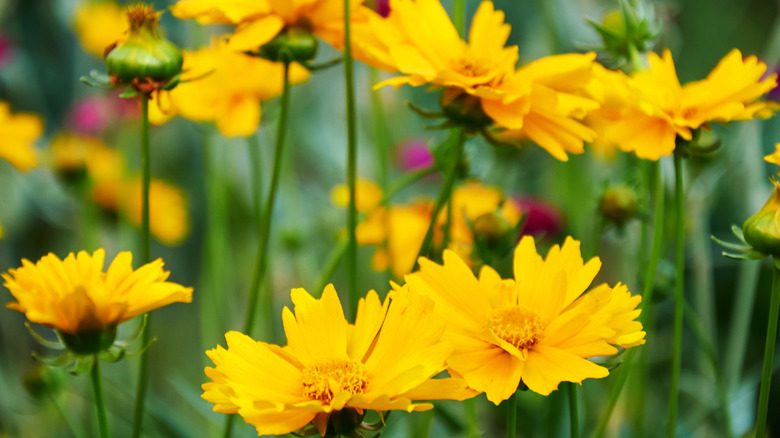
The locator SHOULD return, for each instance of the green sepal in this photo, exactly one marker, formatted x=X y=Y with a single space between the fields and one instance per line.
x=60 y=361
x=115 y=353
x=739 y=251
x=97 y=79
x=54 y=345
x=133 y=336
x=129 y=92
x=312 y=66
x=82 y=365
x=425 y=113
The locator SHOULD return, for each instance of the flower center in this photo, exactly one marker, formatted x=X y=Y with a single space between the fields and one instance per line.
x=326 y=379
x=517 y=326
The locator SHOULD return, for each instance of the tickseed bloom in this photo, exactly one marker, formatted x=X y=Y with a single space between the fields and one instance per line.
x=367 y=194
x=169 y=219
x=84 y=304
x=774 y=157
x=99 y=25
x=331 y=372
x=70 y=152
x=656 y=105
x=478 y=212
x=258 y=22
x=538 y=328
x=18 y=132
x=228 y=91
x=543 y=101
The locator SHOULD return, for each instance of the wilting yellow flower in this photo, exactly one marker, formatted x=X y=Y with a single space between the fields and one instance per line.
x=228 y=89
x=75 y=296
x=403 y=227
x=774 y=157
x=661 y=109
x=168 y=216
x=385 y=361
x=259 y=21
x=538 y=328
x=18 y=132
x=367 y=194
x=99 y=25
x=543 y=101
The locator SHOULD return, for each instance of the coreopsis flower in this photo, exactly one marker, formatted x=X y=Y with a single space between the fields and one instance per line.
x=228 y=91
x=774 y=157
x=663 y=110
x=168 y=215
x=70 y=152
x=84 y=304
x=539 y=328
x=543 y=101
x=99 y=25
x=478 y=211
x=331 y=372
x=258 y=22
x=18 y=132
x=367 y=195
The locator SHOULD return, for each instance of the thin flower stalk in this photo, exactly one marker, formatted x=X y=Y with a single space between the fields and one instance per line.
x=100 y=404
x=349 y=84
x=769 y=351
x=679 y=211
x=574 y=412
x=146 y=176
x=511 y=417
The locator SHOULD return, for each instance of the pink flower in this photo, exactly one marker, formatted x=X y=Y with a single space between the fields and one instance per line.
x=91 y=115
x=382 y=7
x=540 y=216
x=6 y=50
x=414 y=155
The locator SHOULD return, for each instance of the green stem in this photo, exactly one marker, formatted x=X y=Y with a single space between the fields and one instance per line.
x=769 y=351
x=679 y=205
x=614 y=395
x=459 y=16
x=574 y=416
x=66 y=417
x=146 y=176
x=265 y=232
x=351 y=163
x=472 y=428
x=736 y=345
x=511 y=417
x=100 y=404
x=444 y=195
x=648 y=287
x=634 y=58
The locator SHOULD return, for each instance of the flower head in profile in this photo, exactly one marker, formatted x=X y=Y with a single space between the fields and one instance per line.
x=539 y=328
x=228 y=89
x=18 y=132
x=654 y=103
x=331 y=369
x=80 y=301
x=482 y=86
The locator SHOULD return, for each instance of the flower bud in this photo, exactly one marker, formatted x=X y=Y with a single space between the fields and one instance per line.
x=762 y=230
x=294 y=44
x=145 y=60
x=42 y=381
x=89 y=341
x=619 y=204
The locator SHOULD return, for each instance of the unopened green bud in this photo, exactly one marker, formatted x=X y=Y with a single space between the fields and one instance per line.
x=294 y=44
x=762 y=230
x=145 y=59
x=43 y=381
x=463 y=108
x=619 y=204
x=89 y=341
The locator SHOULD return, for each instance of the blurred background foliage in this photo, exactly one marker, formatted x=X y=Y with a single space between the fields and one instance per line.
x=41 y=61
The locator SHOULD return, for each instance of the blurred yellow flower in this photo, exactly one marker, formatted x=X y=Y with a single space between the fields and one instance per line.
x=99 y=25
x=402 y=227
x=228 y=89
x=18 y=132
x=662 y=109
x=385 y=361
x=774 y=157
x=75 y=296
x=70 y=151
x=168 y=214
x=259 y=21
x=543 y=101
x=538 y=328
x=367 y=194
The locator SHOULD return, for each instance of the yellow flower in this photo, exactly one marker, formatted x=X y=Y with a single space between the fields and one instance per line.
x=543 y=101
x=384 y=361
x=99 y=25
x=774 y=157
x=662 y=109
x=75 y=296
x=1 y=231
x=228 y=91
x=168 y=216
x=18 y=132
x=403 y=227
x=368 y=195
x=70 y=152
x=259 y=21
x=106 y=170
x=538 y=328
